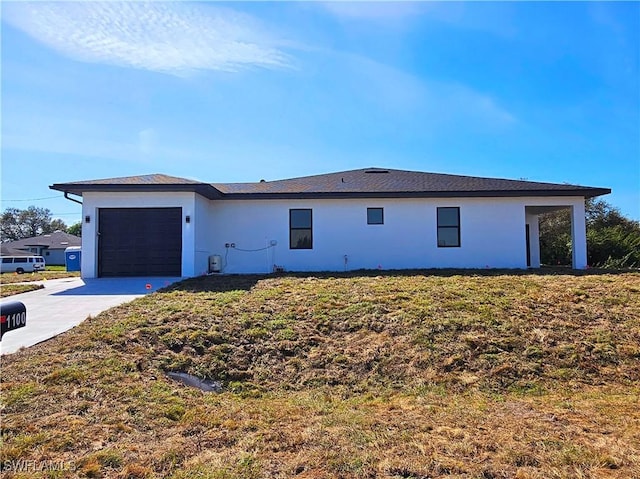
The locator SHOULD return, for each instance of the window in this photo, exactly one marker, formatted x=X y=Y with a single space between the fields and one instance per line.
x=7 y=260
x=448 y=227
x=300 y=229
x=20 y=260
x=375 y=216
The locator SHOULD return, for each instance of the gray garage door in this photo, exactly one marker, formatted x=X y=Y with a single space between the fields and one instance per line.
x=140 y=242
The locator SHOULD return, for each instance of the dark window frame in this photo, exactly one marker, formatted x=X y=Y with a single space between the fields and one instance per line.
x=369 y=222
x=292 y=229
x=443 y=228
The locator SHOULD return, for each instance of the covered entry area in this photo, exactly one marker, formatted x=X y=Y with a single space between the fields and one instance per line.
x=578 y=233
x=139 y=242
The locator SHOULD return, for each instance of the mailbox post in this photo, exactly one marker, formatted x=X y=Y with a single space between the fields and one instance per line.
x=13 y=315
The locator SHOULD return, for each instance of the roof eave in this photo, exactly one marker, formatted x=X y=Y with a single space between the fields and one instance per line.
x=212 y=193
x=203 y=189
x=583 y=192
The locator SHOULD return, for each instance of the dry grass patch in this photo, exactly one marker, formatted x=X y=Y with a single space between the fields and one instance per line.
x=352 y=376
x=11 y=278
x=12 y=289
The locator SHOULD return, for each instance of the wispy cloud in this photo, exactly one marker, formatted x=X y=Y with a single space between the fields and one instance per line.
x=493 y=18
x=135 y=150
x=384 y=11
x=444 y=104
x=476 y=106
x=174 y=38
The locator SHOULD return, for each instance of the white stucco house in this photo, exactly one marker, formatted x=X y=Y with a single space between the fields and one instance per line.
x=371 y=218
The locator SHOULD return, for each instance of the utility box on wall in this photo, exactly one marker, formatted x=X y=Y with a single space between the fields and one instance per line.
x=215 y=263
x=72 y=258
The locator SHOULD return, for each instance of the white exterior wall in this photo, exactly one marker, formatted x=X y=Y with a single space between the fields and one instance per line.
x=93 y=201
x=579 y=236
x=203 y=224
x=492 y=232
x=578 y=227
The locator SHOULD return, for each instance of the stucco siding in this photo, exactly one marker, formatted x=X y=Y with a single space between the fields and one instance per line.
x=492 y=232
x=93 y=201
x=54 y=257
x=201 y=221
x=492 y=235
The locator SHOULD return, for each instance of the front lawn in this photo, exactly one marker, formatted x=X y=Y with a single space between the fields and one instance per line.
x=392 y=375
x=10 y=278
x=11 y=289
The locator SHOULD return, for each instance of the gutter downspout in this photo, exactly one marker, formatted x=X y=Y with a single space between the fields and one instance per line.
x=66 y=195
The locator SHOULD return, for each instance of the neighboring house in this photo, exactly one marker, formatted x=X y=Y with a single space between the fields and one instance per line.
x=371 y=218
x=50 y=246
x=8 y=251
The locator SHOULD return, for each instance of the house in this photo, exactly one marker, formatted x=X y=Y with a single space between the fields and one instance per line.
x=50 y=246
x=8 y=251
x=359 y=219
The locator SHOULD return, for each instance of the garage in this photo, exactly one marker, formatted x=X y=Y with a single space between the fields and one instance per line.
x=139 y=242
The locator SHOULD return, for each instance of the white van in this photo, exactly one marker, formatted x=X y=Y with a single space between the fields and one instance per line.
x=21 y=264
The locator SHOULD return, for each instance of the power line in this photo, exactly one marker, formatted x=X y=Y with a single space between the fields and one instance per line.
x=38 y=199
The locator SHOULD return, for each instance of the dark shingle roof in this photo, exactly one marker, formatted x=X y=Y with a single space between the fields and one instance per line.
x=154 y=179
x=388 y=182
x=55 y=240
x=154 y=182
x=9 y=251
x=368 y=182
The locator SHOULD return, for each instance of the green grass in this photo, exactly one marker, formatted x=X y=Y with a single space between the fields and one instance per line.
x=417 y=374
x=59 y=268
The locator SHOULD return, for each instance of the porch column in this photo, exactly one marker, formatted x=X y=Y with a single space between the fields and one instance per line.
x=579 y=236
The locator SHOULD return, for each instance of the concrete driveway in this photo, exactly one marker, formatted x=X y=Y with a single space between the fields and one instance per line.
x=65 y=303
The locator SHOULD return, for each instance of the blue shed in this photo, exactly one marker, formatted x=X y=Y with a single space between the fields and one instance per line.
x=72 y=256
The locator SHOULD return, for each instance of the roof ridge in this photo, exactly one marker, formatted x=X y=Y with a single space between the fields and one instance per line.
x=333 y=173
x=130 y=177
x=394 y=170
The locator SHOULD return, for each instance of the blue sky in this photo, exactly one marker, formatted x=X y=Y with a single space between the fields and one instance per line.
x=226 y=92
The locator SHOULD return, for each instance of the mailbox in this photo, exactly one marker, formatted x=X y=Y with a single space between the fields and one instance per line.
x=13 y=315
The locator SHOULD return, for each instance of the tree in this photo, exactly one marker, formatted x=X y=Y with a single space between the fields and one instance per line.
x=17 y=224
x=600 y=214
x=9 y=229
x=612 y=239
x=75 y=229
x=555 y=238
x=57 y=225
